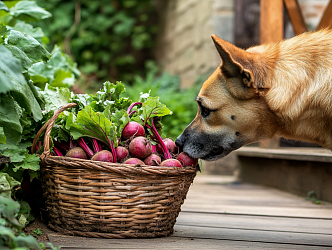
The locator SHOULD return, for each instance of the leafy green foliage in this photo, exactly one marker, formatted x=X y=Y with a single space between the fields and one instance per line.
x=59 y=71
x=91 y=124
x=23 y=51
x=29 y=11
x=10 y=226
x=10 y=68
x=111 y=40
x=6 y=184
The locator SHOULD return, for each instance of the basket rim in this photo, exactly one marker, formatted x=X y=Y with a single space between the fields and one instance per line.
x=48 y=159
x=118 y=167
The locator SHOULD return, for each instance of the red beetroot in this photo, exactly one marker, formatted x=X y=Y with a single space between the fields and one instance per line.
x=170 y=145
x=77 y=152
x=104 y=155
x=132 y=129
x=121 y=153
x=134 y=161
x=140 y=147
x=171 y=163
x=186 y=160
x=153 y=160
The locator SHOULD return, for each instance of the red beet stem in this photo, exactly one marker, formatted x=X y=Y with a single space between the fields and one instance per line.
x=96 y=146
x=85 y=147
x=132 y=112
x=39 y=145
x=167 y=154
x=62 y=146
x=57 y=152
x=72 y=144
x=131 y=106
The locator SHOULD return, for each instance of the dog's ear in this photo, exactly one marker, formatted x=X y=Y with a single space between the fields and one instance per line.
x=231 y=65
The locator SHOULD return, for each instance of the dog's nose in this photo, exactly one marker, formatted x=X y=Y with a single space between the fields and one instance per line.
x=179 y=142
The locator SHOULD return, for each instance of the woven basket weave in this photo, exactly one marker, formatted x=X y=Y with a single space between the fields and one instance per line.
x=110 y=200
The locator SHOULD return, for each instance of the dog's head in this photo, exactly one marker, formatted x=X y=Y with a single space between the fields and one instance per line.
x=231 y=110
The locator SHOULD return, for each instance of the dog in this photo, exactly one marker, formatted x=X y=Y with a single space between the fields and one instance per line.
x=282 y=88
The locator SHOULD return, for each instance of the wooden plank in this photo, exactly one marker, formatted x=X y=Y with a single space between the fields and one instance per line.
x=173 y=242
x=249 y=199
x=249 y=222
x=311 y=154
x=326 y=20
x=305 y=239
x=295 y=16
x=271 y=24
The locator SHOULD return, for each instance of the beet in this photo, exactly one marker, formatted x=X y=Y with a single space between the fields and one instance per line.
x=121 y=153
x=77 y=152
x=171 y=163
x=140 y=147
x=132 y=129
x=104 y=155
x=153 y=160
x=134 y=161
x=170 y=146
x=186 y=160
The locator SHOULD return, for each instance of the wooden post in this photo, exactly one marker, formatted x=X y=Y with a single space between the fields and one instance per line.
x=295 y=16
x=326 y=20
x=272 y=29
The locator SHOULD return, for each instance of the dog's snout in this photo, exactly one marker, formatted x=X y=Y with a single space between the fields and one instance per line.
x=179 y=142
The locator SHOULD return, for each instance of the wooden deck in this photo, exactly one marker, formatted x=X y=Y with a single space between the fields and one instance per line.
x=222 y=214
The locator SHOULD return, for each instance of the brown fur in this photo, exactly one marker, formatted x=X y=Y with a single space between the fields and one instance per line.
x=280 y=88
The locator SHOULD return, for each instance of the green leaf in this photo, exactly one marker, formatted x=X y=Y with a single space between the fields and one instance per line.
x=22 y=219
x=29 y=11
x=30 y=46
x=63 y=78
x=8 y=209
x=5 y=231
x=152 y=108
x=2 y=136
x=3 y=29
x=23 y=27
x=120 y=118
x=6 y=184
x=92 y=124
x=36 y=94
x=26 y=99
x=30 y=162
x=27 y=241
x=41 y=73
x=59 y=60
x=9 y=67
x=16 y=153
x=55 y=98
x=8 y=169
x=9 y=120
x=3 y=6
x=19 y=54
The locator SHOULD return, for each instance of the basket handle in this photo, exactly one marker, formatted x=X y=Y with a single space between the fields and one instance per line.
x=48 y=127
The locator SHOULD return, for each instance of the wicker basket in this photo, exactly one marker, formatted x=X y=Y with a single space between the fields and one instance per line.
x=110 y=200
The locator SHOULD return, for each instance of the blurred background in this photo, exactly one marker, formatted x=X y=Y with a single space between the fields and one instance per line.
x=165 y=46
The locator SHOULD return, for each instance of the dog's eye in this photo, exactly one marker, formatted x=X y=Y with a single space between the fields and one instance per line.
x=205 y=111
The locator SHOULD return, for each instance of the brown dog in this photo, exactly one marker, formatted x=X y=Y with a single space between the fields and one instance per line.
x=280 y=88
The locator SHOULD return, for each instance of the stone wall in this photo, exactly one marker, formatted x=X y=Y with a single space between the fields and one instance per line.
x=184 y=45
